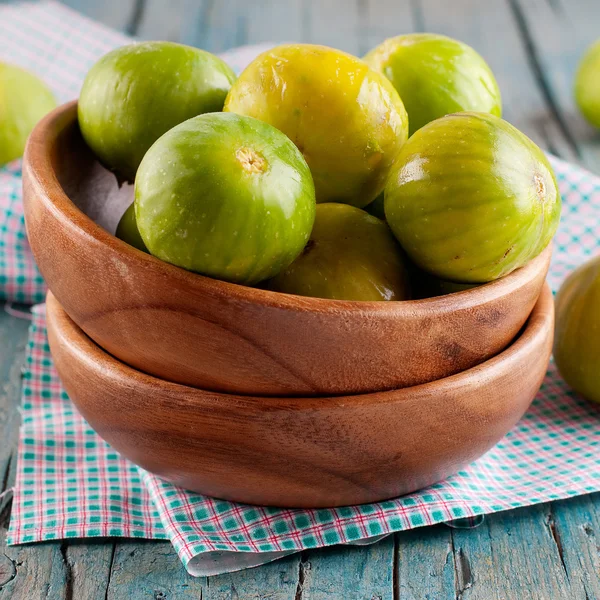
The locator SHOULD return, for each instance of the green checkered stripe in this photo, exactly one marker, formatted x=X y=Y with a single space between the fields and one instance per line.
x=20 y=280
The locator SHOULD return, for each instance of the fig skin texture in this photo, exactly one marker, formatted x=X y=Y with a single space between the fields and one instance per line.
x=577 y=333
x=587 y=85
x=351 y=255
x=436 y=75
x=347 y=120
x=471 y=198
x=227 y=196
x=127 y=230
x=135 y=93
x=24 y=100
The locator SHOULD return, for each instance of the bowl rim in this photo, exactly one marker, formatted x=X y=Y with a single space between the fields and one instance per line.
x=38 y=169
x=538 y=327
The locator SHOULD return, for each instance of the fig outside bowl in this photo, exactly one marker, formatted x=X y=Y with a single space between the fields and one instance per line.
x=302 y=452
x=197 y=331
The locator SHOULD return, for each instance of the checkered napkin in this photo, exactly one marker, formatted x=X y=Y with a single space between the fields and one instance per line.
x=72 y=484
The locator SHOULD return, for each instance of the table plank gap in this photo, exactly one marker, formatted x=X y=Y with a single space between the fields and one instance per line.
x=514 y=555
x=425 y=564
x=349 y=572
x=576 y=524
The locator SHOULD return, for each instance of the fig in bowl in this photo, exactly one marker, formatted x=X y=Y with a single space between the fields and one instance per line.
x=471 y=198
x=135 y=93
x=436 y=75
x=351 y=255
x=227 y=196
x=127 y=230
x=347 y=119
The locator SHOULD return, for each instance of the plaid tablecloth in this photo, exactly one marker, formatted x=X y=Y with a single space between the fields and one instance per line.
x=72 y=484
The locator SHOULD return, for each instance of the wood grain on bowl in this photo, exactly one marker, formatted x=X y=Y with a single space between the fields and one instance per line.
x=304 y=452
x=198 y=331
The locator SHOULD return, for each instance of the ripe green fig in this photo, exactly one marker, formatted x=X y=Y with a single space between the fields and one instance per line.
x=587 y=85
x=24 y=100
x=351 y=255
x=471 y=198
x=436 y=75
x=576 y=339
x=227 y=196
x=127 y=230
x=135 y=93
x=347 y=120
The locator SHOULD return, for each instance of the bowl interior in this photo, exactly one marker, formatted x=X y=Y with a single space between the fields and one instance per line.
x=92 y=188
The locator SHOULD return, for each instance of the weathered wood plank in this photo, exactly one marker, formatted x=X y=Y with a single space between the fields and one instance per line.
x=216 y=26
x=114 y=13
x=150 y=570
x=382 y=19
x=512 y=555
x=274 y=581
x=575 y=526
x=162 y=20
x=349 y=572
x=334 y=23
x=275 y=21
x=491 y=28
x=88 y=564
x=559 y=32
x=425 y=564
x=13 y=338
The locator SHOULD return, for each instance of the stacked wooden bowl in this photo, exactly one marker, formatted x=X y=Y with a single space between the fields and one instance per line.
x=260 y=397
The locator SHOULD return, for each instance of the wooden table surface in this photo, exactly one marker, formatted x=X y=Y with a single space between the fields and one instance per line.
x=547 y=552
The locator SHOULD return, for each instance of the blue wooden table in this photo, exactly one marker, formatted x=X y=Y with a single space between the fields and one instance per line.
x=548 y=552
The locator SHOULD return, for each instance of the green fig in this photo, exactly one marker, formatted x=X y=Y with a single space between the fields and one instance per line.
x=347 y=120
x=576 y=339
x=587 y=85
x=351 y=255
x=471 y=198
x=127 y=230
x=24 y=100
x=227 y=196
x=436 y=75
x=135 y=93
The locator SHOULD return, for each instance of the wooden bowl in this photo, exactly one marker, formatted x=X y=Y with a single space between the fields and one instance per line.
x=302 y=452
x=198 y=331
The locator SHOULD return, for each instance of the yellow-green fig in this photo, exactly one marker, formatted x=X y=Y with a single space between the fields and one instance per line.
x=587 y=85
x=436 y=75
x=226 y=196
x=351 y=255
x=577 y=335
x=24 y=100
x=471 y=198
x=346 y=119
x=135 y=93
